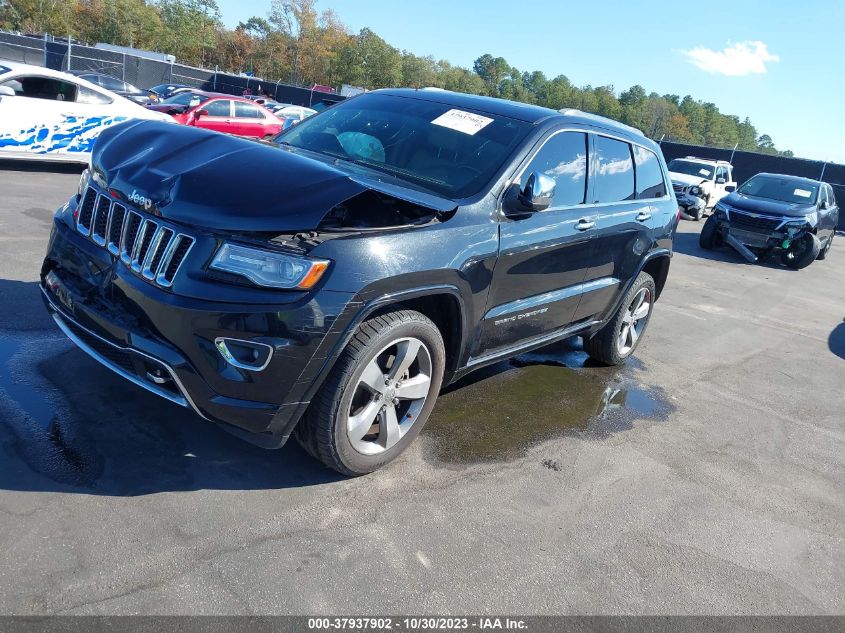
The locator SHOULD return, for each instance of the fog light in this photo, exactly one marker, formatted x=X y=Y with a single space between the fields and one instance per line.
x=249 y=355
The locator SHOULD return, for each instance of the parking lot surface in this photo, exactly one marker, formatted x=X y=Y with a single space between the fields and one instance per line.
x=705 y=477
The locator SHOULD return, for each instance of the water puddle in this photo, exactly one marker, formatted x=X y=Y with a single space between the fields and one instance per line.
x=514 y=405
x=36 y=426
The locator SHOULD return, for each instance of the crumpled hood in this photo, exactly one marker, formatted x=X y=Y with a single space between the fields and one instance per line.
x=220 y=182
x=685 y=179
x=766 y=206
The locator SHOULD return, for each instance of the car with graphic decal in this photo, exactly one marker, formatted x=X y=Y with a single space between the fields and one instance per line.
x=50 y=115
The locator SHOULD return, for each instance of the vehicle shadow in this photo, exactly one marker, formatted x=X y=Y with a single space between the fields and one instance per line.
x=68 y=424
x=33 y=166
x=836 y=340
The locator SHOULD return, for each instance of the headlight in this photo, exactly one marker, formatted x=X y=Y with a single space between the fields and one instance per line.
x=695 y=190
x=266 y=268
x=83 y=182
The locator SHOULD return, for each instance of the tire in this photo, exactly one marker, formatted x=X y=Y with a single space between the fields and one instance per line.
x=355 y=390
x=605 y=346
x=823 y=253
x=809 y=251
x=709 y=237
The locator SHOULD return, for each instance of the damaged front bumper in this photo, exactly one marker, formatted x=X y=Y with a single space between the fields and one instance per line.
x=755 y=243
x=244 y=366
x=690 y=206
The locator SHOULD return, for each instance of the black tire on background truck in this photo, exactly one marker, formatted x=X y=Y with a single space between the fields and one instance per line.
x=709 y=237
x=378 y=396
x=806 y=253
x=617 y=340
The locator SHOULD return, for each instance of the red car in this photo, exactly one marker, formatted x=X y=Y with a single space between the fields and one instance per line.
x=221 y=113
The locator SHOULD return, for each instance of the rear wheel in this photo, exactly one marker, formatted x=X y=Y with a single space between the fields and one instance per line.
x=378 y=396
x=709 y=237
x=619 y=338
x=823 y=253
x=802 y=252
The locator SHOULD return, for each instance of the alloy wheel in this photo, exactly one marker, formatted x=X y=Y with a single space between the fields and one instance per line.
x=389 y=396
x=634 y=321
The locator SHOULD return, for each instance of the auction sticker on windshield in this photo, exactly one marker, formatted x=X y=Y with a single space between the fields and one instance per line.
x=461 y=121
x=802 y=193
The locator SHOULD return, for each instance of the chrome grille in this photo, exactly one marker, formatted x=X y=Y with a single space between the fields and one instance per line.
x=677 y=188
x=146 y=246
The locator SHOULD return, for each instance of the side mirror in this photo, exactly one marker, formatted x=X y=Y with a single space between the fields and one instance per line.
x=7 y=91
x=538 y=191
x=720 y=181
x=823 y=204
x=200 y=113
x=536 y=195
x=730 y=188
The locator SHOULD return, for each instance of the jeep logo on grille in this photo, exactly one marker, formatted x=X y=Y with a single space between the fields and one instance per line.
x=140 y=200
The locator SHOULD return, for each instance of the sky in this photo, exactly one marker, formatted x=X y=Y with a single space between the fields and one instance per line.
x=779 y=63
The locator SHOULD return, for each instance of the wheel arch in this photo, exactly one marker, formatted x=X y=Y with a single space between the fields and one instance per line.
x=443 y=304
x=658 y=267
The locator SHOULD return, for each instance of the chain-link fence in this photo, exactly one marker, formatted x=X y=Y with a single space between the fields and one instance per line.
x=19 y=48
x=145 y=72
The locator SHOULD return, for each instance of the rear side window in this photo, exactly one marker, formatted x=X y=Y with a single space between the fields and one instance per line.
x=614 y=170
x=86 y=95
x=563 y=158
x=650 y=183
x=246 y=111
x=218 y=108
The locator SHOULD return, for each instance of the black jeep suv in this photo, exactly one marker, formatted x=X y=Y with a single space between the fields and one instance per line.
x=330 y=285
x=793 y=217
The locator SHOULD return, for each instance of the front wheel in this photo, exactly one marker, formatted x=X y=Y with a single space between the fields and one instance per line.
x=708 y=239
x=802 y=252
x=378 y=396
x=619 y=338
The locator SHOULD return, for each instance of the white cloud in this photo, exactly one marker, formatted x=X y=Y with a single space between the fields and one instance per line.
x=742 y=58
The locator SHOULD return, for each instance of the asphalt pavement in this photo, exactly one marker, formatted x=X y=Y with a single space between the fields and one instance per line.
x=705 y=477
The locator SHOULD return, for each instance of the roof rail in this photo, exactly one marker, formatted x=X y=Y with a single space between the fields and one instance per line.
x=603 y=120
x=709 y=160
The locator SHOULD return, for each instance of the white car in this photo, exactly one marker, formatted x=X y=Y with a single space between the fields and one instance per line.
x=710 y=180
x=50 y=115
x=294 y=113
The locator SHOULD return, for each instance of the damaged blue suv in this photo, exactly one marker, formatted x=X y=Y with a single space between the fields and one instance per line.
x=329 y=285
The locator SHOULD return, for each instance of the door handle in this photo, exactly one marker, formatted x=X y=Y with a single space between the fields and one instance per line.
x=643 y=216
x=584 y=224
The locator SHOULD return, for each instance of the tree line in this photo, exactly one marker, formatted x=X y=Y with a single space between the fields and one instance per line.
x=297 y=43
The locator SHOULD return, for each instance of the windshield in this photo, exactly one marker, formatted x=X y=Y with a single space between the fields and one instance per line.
x=780 y=189
x=186 y=99
x=691 y=168
x=446 y=150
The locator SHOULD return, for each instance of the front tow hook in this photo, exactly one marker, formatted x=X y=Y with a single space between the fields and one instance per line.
x=741 y=248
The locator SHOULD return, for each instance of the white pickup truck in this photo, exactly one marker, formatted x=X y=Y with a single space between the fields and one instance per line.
x=710 y=180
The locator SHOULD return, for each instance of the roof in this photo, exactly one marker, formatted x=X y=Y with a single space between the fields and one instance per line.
x=514 y=109
x=705 y=160
x=792 y=178
x=491 y=105
x=17 y=67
